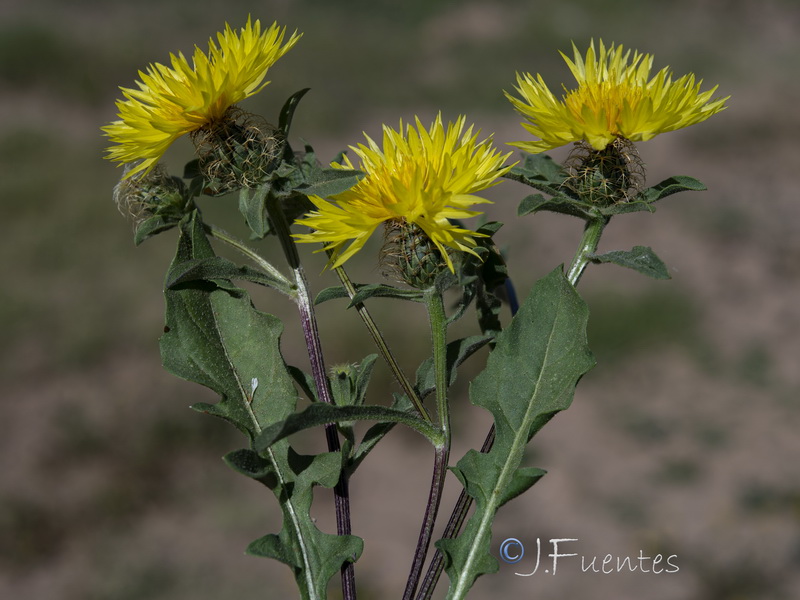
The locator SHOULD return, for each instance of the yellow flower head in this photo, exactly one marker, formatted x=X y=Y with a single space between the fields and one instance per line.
x=420 y=177
x=615 y=98
x=172 y=101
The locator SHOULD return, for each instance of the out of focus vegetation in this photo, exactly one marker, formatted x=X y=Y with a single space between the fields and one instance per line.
x=695 y=453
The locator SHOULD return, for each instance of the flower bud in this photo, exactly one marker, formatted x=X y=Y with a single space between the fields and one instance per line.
x=238 y=151
x=344 y=386
x=409 y=255
x=609 y=176
x=154 y=194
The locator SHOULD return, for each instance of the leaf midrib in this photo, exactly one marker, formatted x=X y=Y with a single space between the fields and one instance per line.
x=505 y=472
x=293 y=516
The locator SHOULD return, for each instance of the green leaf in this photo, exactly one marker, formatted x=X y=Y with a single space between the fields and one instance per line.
x=320 y=414
x=489 y=228
x=540 y=172
x=329 y=182
x=644 y=200
x=365 y=291
x=529 y=377
x=531 y=204
x=253 y=206
x=287 y=111
x=457 y=352
x=304 y=381
x=375 y=290
x=331 y=293
x=377 y=432
x=640 y=258
x=349 y=382
x=250 y=464
x=152 y=226
x=214 y=336
x=558 y=204
x=479 y=277
x=349 y=388
x=217 y=267
x=192 y=169
x=672 y=185
x=313 y=556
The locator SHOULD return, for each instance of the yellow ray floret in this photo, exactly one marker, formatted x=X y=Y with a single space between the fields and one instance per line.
x=172 y=101
x=615 y=98
x=424 y=177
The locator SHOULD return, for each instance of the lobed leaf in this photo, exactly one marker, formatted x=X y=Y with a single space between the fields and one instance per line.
x=313 y=556
x=529 y=377
x=215 y=337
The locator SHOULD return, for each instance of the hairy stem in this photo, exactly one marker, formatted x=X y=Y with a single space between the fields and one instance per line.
x=588 y=246
x=224 y=236
x=383 y=348
x=309 y=323
x=438 y=321
x=457 y=518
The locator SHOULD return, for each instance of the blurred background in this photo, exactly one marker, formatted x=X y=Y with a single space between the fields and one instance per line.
x=683 y=440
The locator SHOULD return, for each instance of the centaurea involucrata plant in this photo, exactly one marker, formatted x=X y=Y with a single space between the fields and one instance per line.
x=419 y=185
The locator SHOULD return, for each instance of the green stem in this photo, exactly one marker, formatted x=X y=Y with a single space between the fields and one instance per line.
x=588 y=246
x=457 y=518
x=224 y=236
x=309 y=323
x=438 y=321
x=383 y=348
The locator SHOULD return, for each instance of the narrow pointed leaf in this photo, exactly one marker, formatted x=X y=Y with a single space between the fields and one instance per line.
x=217 y=267
x=558 y=204
x=377 y=432
x=287 y=111
x=640 y=258
x=322 y=414
x=645 y=200
x=329 y=182
x=366 y=291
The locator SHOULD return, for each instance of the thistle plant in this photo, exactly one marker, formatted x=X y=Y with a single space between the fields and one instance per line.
x=420 y=185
